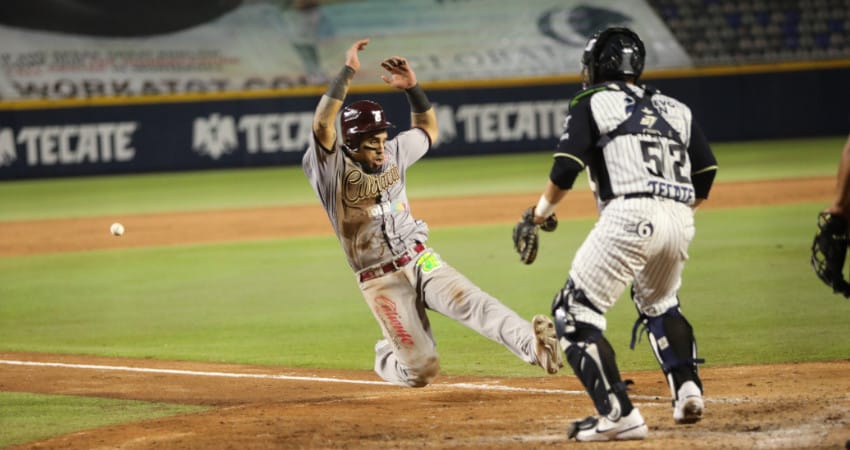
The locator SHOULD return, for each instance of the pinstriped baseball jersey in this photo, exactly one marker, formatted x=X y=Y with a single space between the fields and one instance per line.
x=369 y=211
x=643 y=151
x=634 y=143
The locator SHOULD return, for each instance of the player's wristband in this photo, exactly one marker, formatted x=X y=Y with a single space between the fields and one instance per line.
x=339 y=85
x=544 y=208
x=418 y=100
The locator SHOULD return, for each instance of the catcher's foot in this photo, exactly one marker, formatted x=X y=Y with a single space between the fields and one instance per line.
x=604 y=429
x=688 y=408
x=546 y=347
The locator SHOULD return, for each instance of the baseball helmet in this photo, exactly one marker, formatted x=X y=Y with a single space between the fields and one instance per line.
x=613 y=54
x=362 y=117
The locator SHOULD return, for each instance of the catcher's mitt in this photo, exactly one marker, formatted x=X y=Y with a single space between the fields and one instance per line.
x=829 y=251
x=525 y=236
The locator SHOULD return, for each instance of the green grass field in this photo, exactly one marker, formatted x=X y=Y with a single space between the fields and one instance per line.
x=434 y=177
x=28 y=417
x=748 y=290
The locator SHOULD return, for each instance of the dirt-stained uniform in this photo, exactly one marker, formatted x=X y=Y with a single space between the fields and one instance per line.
x=399 y=275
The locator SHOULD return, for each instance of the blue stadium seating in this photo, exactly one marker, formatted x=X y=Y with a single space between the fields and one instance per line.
x=719 y=32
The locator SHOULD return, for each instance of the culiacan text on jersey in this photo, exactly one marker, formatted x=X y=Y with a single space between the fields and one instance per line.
x=360 y=185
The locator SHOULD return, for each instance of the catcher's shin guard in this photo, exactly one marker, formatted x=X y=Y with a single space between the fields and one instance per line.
x=592 y=359
x=674 y=345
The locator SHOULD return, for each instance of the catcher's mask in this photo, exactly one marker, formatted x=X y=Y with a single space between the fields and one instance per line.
x=359 y=118
x=616 y=53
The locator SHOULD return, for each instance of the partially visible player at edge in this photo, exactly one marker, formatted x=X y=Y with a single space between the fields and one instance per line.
x=650 y=166
x=841 y=204
x=361 y=184
x=829 y=247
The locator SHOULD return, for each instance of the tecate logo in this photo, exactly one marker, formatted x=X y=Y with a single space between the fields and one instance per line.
x=69 y=144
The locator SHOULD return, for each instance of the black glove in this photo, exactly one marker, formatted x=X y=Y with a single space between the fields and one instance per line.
x=525 y=236
x=829 y=251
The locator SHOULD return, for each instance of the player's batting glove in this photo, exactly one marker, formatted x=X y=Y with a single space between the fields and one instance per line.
x=829 y=251
x=525 y=236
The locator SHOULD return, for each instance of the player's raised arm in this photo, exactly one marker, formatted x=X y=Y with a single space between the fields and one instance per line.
x=401 y=76
x=331 y=102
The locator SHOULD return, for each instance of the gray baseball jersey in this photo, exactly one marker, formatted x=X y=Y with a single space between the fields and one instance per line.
x=398 y=274
x=369 y=212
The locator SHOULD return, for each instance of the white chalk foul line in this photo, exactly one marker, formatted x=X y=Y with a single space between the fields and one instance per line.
x=187 y=372
x=471 y=386
x=277 y=377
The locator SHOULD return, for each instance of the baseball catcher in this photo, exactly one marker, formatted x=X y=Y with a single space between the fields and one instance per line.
x=650 y=165
x=829 y=250
x=526 y=240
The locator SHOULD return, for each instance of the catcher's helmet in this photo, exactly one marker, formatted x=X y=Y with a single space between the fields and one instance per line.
x=615 y=53
x=362 y=117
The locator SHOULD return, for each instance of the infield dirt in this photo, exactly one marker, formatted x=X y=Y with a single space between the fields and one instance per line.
x=804 y=405
x=92 y=233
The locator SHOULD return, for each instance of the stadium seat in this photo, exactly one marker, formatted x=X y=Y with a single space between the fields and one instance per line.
x=758 y=31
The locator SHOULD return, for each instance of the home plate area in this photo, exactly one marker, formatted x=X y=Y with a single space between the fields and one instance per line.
x=804 y=405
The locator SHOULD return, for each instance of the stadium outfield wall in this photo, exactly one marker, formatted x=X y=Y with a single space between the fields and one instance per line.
x=55 y=138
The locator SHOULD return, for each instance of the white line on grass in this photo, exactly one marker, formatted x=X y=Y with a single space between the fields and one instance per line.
x=187 y=372
x=485 y=387
x=277 y=377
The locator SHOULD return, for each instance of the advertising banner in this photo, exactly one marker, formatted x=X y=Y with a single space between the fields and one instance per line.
x=195 y=135
x=69 y=49
x=240 y=133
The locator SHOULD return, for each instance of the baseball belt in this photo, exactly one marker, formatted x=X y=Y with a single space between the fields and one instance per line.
x=638 y=195
x=383 y=269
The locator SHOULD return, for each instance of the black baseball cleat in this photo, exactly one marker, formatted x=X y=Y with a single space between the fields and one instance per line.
x=604 y=429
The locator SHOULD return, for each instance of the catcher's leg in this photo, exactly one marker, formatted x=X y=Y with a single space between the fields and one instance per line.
x=594 y=362
x=674 y=345
x=671 y=337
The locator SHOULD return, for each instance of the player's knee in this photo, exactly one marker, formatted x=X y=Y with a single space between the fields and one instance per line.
x=423 y=374
x=571 y=308
x=655 y=308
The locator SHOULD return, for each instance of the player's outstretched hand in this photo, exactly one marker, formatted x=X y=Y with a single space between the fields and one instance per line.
x=401 y=76
x=352 y=59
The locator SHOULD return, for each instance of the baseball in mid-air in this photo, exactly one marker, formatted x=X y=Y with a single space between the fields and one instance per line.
x=117 y=229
